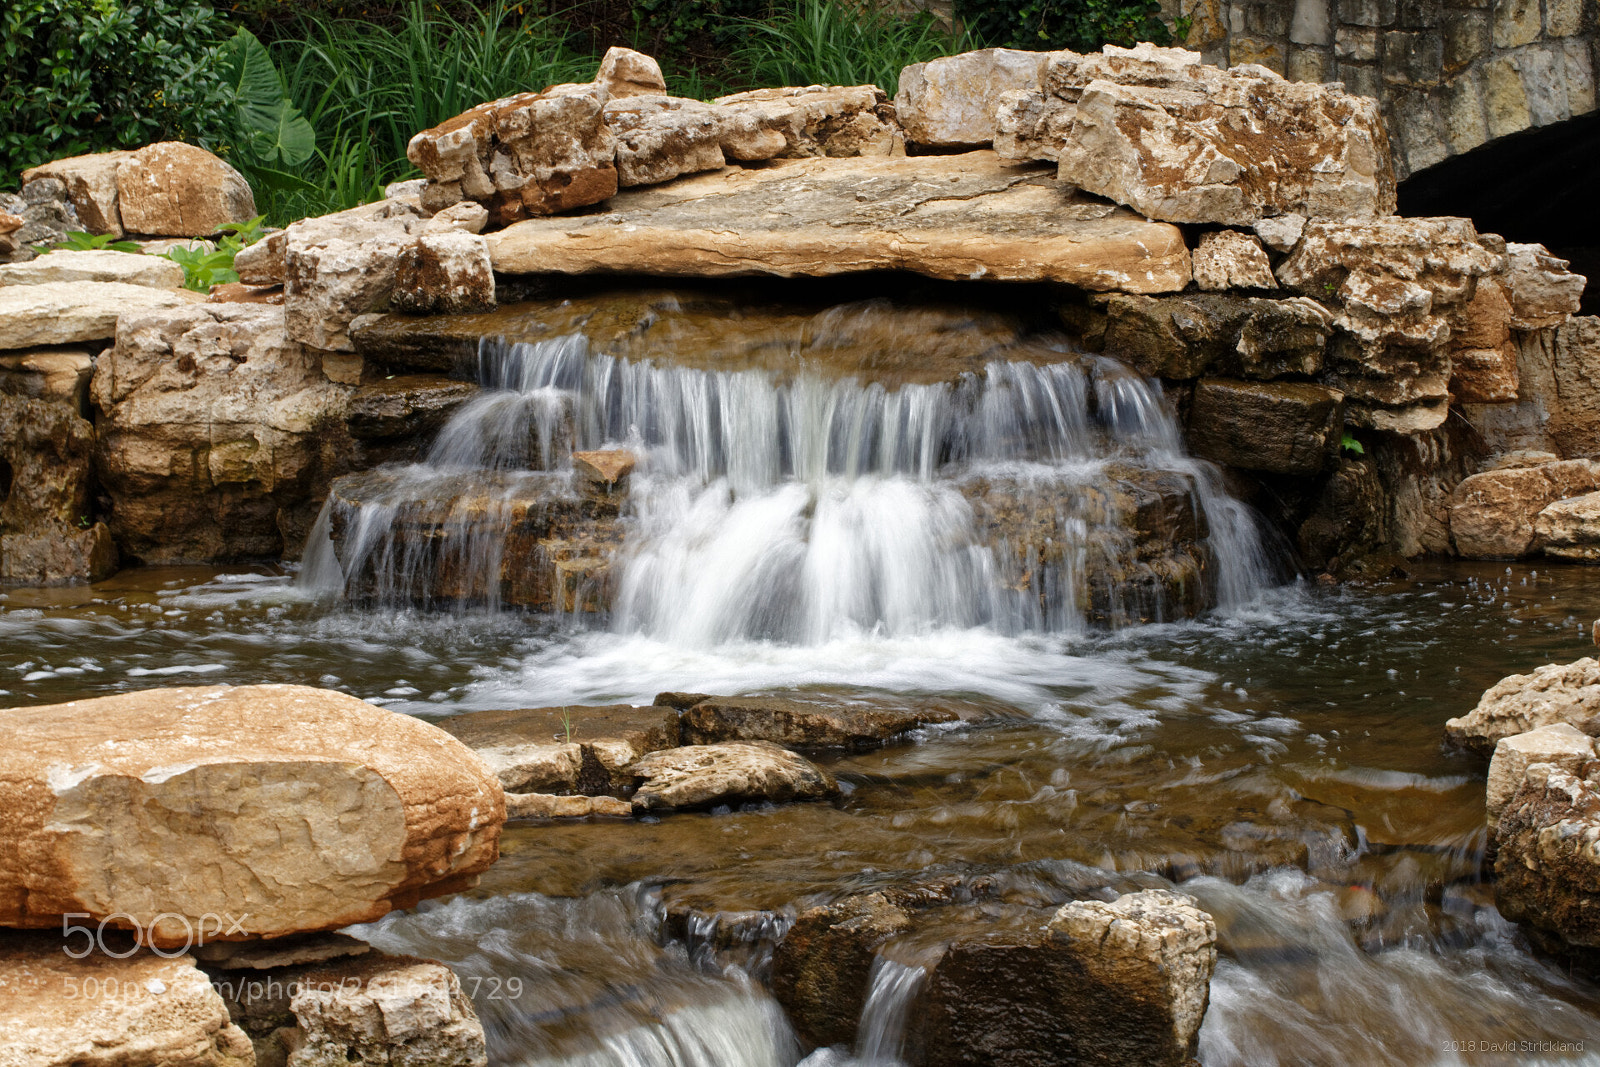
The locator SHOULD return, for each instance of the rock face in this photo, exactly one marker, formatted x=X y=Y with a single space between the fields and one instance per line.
x=343 y=265
x=91 y=182
x=1281 y=427
x=1548 y=866
x=964 y=217
x=1557 y=693
x=56 y=313
x=700 y=776
x=1544 y=292
x=46 y=533
x=179 y=190
x=1570 y=529
x=287 y=809
x=406 y=405
x=952 y=102
x=1492 y=514
x=103 y=265
x=797 y=723
x=1559 y=744
x=1176 y=139
x=1483 y=357
x=145 y=1011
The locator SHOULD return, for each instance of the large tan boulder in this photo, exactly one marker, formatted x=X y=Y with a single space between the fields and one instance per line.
x=1493 y=513
x=1163 y=132
x=58 y=313
x=259 y=811
x=968 y=216
x=100 y=1011
x=91 y=183
x=1547 y=864
x=1556 y=693
x=178 y=190
x=952 y=101
x=99 y=265
x=1570 y=529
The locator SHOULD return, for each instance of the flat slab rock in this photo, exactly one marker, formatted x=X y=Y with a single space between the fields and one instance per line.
x=786 y=721
x=62 y=312
x=967 y=216
x=572 y=749
x=702 y=776
x=96 y=265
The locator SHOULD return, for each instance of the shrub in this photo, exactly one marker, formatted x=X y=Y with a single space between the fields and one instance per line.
x=1081 y=25
x=815 y=42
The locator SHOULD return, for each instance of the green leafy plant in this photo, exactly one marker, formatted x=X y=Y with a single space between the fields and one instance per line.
x=1348 y=443
x=271 y=130
x=1081 y=25
x=203 y=269
x=78 y=241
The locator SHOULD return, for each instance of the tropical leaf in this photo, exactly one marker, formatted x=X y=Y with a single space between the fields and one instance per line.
x=275 y=130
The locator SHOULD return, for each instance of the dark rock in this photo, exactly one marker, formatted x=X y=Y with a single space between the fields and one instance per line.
x=1281 y=427
x=1186 y=336
x=799 y=723
x=47 y=532
x=681 y=701
x=1349 y=517
x=822 y=967
x=405 y=406
x=1547 y=868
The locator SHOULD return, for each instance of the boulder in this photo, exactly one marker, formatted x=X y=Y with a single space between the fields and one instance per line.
x=260 y=811
x=91 y=182
x=567 y=749
x=1492 y=513
x=822 y=969
x=1570 y=529
x=1279 y=427
x=952 y=102
x=800 y=723
x=103 y=265
x=343 y=265
x=47 y=532
x=812 y=120
x=736 y=772
x=218 y=435
x=1556 y=693
x=526 y=155
x=382 y=1009
x=1547 y=865
x=661 y=137
x=406 y=405
x=624 y=73
x=100 y=1011
x=56 y=374
x=58 y=313
x=444 y=273
x=178 y=190
x=262 y=263
x=1229 y=259
x=1176 y=139
x=1544 y=292
x=966 y=216
x=1179 y=337
x=1559 y=744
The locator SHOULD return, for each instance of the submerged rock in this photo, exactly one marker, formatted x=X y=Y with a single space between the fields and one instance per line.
x=1557 y=693
x=58 y=313
x=800 y=723
x=287 y=809
x=734 y=772
x=1548 y=861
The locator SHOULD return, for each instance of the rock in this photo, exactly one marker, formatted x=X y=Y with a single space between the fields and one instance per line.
x=1570 y=529
x=262 y=263
x=1547 y=866
x=964 y=217
x=279 y=952
x=98 y=266
x=100 y=1011
x=10 y=223
x=1176 y=139
x=47 y=216
x=343 y=265
x=566 y=749
x=821 y=971
x=606 y=468
x=408 y=405
x=526 y=155
x=1282 y=232
x=952 y=102
x=444 y=273
x=661 y=137
x=175 y=189
x=240 y=293
x=1492 y=514
x=54 y=554
x=47 y=535
x=383 y=1009
x=1181 y=337
x=624 y=73
x=1560 y=744
x=546 y=806
x=702 y=776
x=1556 y=693
x=56 y=374
x=91 y=182
x=466 y=216
x=285 y=808
x=218 y=435
x=58 y=313
x=1281 y=427
x=532 y=768
x=1483 y=357
x=1543 y=291
x=799 y=723
x=813 y=120
x=1228 y=259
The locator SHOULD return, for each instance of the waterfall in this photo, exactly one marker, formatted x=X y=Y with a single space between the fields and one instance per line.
x=797 y=507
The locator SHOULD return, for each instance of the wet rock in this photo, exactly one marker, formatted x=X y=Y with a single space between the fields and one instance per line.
x=624 y=73
x=343 y=265
x=1228 y=259
x=1348 y=519
x=812 y=120
x=179 y=190
x=1492 y=514
x=1176 y=139
x=967 y=216
x=566 y=749
x=605 y=470
x=407 y=405
x=1559 y=744
x=143 y=1011
x=801 y=724
x=103 y=265
x=1179 y=337
x=278 y=952
x=47 y=532
x=734 y=772
x=1556 y=693
x=287 y=808
x=952 y=102
x=444 y=273
x=56 y=313
x=1547 y=865
x=382 y=1009
x=823 y=966
x=91 y=182
x=1570 y=529
x=262 y=263
x=548 y=806
x=1281 y=427
x=526 y=155
x=1543 y=291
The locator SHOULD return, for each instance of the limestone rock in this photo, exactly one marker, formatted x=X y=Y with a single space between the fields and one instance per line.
x=444 y=273
x=99 y=1011
x=1281 y=427
x=963 y=217
x=1547 y=866
x=406 y=405
x=262 y=263
x=952 y=102
x=661 y=137
x=1492 y=514
x=624 y=73
x=1543 y=291
x=1570 y=529
x=1560 y=744
x=526 y=155
x=1228 y=259
x=701 y=776
x=58 y=374
x=566 y=749
x=288 y=809
x=800 y=723
x=1028 y=124
x=549 y=767
x=10 y=223
x=381 y=1009
x=103 y=265
x=46 y=533
x=343 y=265
x=813 y=120
x=547 y=806
x=91 y=182
x=1483 y=357
x=179 y=190
x=467 y=216
x=58 y=313
x=1189 y=335
x=1282 y=232
x=606 y=468
x=1556 y=693
x=1176 y=139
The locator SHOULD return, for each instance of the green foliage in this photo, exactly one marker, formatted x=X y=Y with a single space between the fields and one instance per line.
x=1348 y=443
x=271 y=130
x=88 y=75
x=1081 y=25
x=202 y=269
x=824 y=42
x=78 y=241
